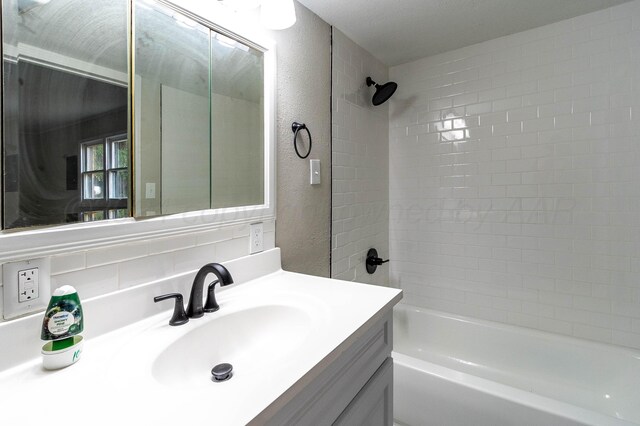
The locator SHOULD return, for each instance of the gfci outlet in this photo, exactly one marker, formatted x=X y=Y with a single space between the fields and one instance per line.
x=26 y=287
x=256 y=238
x=28 y=284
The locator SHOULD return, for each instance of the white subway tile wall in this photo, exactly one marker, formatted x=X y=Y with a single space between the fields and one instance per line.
x=360 y=164
x=515 y=178
x=104 y=270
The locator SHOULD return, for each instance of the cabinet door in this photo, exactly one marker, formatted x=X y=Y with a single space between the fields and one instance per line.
x=373 y=406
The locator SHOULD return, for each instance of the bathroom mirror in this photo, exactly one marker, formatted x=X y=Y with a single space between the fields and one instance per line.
x=125 y=109
x=199 y=115
x=196 y=107
x=66 y=146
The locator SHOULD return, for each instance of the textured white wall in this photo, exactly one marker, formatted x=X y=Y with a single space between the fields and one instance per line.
x=514 y=183
x=304 y=211
x=360 y=165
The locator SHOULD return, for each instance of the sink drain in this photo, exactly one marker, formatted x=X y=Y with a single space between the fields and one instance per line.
x=222 y=372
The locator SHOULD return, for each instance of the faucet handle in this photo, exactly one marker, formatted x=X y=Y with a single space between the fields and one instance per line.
x=373 y=261
x=211 y=305
x=179 y=316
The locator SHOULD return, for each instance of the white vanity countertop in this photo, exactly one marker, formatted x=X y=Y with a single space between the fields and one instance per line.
x=121 y=379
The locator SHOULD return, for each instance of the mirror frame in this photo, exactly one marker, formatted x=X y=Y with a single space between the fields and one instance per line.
x=25 y=243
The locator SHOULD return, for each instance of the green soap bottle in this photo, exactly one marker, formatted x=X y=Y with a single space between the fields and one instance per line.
x=63 y=318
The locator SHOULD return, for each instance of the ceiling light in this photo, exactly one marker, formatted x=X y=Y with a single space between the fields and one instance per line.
x=277 y=14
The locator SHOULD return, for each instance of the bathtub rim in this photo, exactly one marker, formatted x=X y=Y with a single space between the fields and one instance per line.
x=511 y=394
x=548 y=335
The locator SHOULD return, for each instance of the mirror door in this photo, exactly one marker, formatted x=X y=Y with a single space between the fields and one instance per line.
x=173 y=161
x=65 y=117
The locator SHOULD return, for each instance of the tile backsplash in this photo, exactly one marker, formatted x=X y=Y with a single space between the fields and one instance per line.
x=103 y=270
x=514 y=178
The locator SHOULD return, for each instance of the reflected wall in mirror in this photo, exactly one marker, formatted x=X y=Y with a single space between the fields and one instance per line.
x=171 y=83
x=237 y=123
x=66 y=148
x=199 y=116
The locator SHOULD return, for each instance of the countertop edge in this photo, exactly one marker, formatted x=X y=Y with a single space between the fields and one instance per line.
x=287 y=396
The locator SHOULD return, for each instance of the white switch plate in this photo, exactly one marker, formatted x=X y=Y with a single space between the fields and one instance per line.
x=314 y=169
x=24 y=275
x=150 y=190
x=256 y=238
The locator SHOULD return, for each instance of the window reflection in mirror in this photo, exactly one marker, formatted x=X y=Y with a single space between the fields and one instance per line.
x=65 y=119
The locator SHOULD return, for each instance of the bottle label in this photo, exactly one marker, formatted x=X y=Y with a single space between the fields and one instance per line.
x=63 y=319
x=60 y=322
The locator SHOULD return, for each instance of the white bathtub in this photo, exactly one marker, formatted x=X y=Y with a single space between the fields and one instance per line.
x=452 y=370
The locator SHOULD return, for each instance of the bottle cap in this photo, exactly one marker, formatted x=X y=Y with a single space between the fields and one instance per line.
x=64 y=291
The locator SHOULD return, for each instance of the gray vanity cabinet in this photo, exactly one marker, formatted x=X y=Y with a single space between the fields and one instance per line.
x=352 y=386
x=373 y=406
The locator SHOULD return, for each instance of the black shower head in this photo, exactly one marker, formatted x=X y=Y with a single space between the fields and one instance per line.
x=383 y=91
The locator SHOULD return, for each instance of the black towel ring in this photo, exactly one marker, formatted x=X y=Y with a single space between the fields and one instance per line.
x=296 y=127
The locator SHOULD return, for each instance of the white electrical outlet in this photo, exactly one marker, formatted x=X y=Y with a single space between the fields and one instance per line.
x=256 y=238
x=26 y=287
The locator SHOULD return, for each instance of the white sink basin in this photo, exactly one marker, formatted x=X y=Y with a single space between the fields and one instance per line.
x=251 y=340
x=257 y=330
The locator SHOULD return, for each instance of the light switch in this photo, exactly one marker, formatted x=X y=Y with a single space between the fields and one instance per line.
x=314 y=167
x=150 y=190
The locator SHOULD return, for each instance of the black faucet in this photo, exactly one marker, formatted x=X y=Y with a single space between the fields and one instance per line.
x=195 y=308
